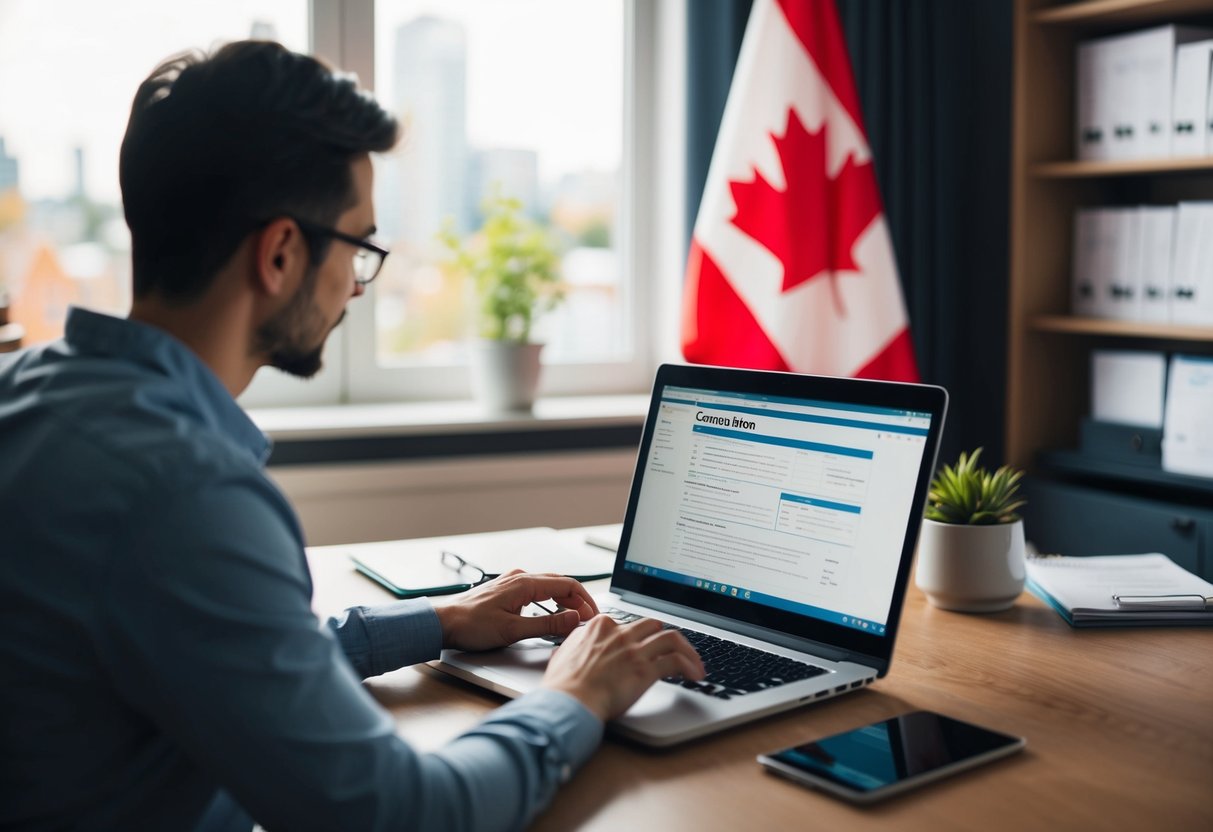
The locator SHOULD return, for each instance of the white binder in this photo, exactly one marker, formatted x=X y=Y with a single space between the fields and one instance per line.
x=1191 y=100
x=1157 y=224
x=1125 y=92
x=1124 y=273
x=1085 y=262
x=1187 y=251
x=1192 y=296
x=1109 y=259
x=1092 y=122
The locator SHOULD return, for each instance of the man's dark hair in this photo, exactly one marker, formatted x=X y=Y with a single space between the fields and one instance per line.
x=217 y=145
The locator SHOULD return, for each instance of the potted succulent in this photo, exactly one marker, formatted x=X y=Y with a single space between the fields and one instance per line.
x=513 y=267
x=971 y=548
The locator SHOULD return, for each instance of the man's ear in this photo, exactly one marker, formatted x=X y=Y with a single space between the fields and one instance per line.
x=280 y=257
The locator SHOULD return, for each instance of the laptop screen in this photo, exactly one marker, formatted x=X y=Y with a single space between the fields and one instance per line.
x=774 y=502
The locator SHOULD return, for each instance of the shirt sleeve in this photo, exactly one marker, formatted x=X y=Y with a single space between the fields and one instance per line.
x=208 y=632
x=386 y=637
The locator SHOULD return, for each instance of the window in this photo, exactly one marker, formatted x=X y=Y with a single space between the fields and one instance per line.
x=68 y=72
x=531 y=99
x=543 y=100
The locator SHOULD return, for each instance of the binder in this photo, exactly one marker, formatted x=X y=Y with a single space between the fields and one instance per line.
x=1191 y=100
x=1123 y=278
x=1192 y=293
x=1188 y=220
x=1092 y=126
x=1085 y=262
x=1125 y=90
x=1157 y=226
x=1108 y=259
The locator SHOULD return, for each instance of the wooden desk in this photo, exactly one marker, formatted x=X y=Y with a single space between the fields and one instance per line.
x=1119 y=725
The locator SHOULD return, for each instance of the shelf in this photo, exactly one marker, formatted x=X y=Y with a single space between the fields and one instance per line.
x=1121 y=329
x=1078 y=464
x=1127 y=167
x=1117 y=12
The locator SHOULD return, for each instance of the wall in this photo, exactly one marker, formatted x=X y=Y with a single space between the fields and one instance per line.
x=348 y=503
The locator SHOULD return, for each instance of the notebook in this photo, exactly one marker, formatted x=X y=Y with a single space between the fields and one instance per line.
x=772 y=511
x=411 y=569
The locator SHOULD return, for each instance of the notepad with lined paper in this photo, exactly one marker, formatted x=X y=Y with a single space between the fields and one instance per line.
x=1083 y=590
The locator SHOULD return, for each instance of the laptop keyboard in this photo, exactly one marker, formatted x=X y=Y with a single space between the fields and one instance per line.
x=733 y=669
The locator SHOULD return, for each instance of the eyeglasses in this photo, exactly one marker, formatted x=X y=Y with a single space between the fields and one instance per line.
x=471 y=574
x=474 y=575
x=368 y=258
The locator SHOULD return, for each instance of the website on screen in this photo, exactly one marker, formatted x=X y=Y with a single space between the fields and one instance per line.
x=796 y=504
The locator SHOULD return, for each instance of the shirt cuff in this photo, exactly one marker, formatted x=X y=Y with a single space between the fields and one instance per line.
x=577 y=733
x=389 y=636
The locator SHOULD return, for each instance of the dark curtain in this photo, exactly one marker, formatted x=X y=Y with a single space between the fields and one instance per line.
x=934 y=80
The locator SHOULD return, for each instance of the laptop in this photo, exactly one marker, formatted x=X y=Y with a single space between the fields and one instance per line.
x=773 y=518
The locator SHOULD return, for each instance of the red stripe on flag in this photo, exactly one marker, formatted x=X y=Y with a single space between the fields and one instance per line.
x=708 y=300
x=895 y=362
x=816 y=25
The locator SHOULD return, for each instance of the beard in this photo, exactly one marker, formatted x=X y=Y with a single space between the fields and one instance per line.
x=293 y=339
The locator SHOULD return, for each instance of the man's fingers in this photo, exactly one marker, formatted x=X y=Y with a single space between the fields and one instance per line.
x=676 y=664
x=673 y=643
x=558 y=624
x=643 y=628
x=564 y=591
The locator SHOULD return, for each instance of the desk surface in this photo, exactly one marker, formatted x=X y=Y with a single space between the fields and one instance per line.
x=1119 y=725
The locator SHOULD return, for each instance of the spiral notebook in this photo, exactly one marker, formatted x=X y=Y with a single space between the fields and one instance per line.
x=1120 y=590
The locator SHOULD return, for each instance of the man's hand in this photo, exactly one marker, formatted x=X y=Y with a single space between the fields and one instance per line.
x=608 y=666
x=491 y=614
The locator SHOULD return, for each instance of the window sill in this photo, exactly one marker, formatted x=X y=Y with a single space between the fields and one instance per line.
x=378 y=432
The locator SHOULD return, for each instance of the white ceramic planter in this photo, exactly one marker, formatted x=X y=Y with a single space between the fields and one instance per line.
x=971 y=568
x=505 y=374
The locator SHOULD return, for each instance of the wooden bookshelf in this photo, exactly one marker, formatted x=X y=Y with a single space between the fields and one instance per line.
x=1048 y=350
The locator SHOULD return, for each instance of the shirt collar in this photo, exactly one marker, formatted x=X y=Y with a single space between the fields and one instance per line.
x=93 y=333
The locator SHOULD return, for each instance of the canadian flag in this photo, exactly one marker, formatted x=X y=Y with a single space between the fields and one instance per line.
x=791 y=266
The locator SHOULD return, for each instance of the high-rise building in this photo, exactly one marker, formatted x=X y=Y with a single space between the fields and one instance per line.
x=263 y=30
x=431 y=166
x=8 y=170
x=510 y=172
x=78 y=157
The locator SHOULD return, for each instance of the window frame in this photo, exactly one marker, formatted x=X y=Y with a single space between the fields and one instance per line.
x=652 y=236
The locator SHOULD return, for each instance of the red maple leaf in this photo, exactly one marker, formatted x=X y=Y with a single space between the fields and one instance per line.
x=811 y=225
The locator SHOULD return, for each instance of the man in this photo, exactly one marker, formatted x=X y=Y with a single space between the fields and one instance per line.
x=162 y=666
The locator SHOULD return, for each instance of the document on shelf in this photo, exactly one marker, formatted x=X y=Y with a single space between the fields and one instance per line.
x=1187 y=436
x=1152 y=590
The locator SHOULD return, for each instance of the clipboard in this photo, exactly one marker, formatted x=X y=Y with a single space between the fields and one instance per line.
x=1085 y=591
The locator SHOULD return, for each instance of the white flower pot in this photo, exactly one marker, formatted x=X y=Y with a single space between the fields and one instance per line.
x=505 y=374
x=971 y=568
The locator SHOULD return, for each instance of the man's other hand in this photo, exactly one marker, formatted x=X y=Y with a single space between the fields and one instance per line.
x=608 y=666
x=491 y=614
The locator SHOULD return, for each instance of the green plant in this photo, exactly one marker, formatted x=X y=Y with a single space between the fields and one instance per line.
x=514 y=266
x=969 y=495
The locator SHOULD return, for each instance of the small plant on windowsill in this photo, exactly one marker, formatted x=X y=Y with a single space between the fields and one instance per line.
x=971 y=549
x=512 y=264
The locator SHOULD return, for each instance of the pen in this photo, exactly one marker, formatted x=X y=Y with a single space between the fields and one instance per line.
x=1164 y=602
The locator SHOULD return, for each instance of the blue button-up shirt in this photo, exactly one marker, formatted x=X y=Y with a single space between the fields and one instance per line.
x=159 y=657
